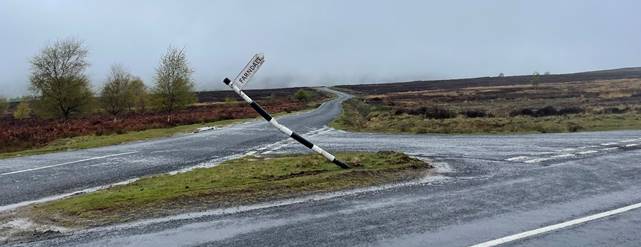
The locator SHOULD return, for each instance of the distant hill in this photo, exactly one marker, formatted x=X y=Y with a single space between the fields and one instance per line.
x=623 y=73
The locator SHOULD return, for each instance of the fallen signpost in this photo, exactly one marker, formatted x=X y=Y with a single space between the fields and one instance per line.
x=242 y=79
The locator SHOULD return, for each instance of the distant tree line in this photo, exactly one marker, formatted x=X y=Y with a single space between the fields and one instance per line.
x=61 y=88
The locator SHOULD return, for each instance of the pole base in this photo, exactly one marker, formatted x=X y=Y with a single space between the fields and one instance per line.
x=340 y=164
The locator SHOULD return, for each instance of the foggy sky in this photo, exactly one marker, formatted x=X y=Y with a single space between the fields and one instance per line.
x=325 y=42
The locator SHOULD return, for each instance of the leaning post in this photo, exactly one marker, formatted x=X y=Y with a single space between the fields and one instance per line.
x=242 y=79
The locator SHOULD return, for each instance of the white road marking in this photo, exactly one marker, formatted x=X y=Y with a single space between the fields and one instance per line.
x=609 y=149
x=517 y=158
x=66 y=163
x=555 y=227
x=629 y=140
x=537 y=160
x=631 y=145
x=562 y=156
x=609 y=144
x=588 y=152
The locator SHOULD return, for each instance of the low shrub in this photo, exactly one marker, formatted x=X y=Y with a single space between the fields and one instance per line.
x=427 y=112
x=475 y=114
x=614 y=110
x=547 y=111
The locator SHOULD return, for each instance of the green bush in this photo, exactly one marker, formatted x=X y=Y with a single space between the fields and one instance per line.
x=22 y=110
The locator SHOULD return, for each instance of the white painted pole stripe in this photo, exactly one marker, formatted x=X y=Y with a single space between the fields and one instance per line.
x=281 y=127
x=555 y=227
x=66 y=163
x=242 y=94
x=323 y=152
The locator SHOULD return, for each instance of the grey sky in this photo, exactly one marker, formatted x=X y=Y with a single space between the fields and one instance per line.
x=326 y=42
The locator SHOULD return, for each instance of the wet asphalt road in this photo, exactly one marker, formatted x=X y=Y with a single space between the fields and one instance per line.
x=487 y=187
x=35 y=177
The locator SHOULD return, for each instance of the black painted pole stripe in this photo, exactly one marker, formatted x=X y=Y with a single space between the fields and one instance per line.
x=260 y=111
x=302 y=140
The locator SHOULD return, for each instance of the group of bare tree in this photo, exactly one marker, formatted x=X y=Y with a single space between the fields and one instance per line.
x=62 y=90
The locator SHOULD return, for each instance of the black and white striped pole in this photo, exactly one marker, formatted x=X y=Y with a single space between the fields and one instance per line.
x=243 y=78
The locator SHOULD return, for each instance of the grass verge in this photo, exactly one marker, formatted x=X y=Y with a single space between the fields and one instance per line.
x=359 y=116
x=232 y=183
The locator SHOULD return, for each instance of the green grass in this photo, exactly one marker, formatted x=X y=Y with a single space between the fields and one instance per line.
x=235 y=182
x=358 y=116
x=84 y=142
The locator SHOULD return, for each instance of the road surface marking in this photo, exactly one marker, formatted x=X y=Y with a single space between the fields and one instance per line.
x=588 y=152
x=517 y=158
x=537 y=160
x=609 y=144
x=555 y=227
x=562 y=156
x=631 y=145
x=629 y=140
x=66 y=163
x=609 y=149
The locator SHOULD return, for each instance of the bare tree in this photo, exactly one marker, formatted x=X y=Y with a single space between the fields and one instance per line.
x=174 y=87
x=114 y=97
x=138 y=92
x=303 y=95
x=59 y=82
x=536 y=79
